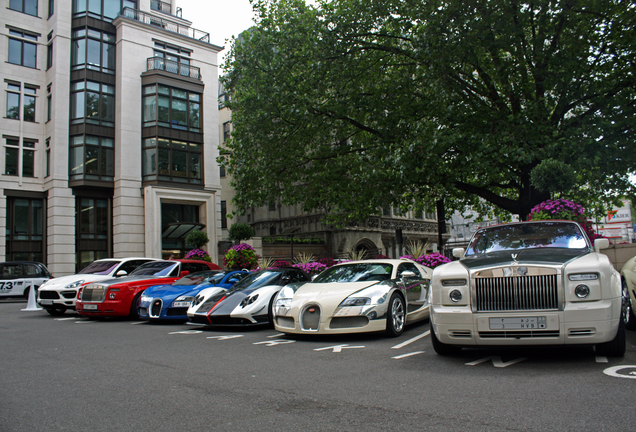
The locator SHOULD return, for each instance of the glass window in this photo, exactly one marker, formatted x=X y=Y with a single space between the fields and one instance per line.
x=92 y=102
x=22 y=52
x=93 y=49
x=170 y=107
x=92 y=157
x=51 y=7
x=26 y=6
x=172 y=160
x=11 y=161
x=29 y=107
x=49 y=55
x=25 y=221
x=105 y=10
x=13 y=105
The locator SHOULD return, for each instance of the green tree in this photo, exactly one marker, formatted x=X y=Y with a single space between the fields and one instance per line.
x=196 y=239
x=240 y=231
x=354 y=104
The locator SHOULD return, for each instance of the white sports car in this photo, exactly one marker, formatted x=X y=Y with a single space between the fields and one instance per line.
x=356 y=297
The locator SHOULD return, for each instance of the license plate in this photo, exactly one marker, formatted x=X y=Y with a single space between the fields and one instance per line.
x=90 y=307
x=181 y=304
x=518 y=323
x=46 y=302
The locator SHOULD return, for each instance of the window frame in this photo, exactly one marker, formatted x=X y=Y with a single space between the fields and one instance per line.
x=23 y=38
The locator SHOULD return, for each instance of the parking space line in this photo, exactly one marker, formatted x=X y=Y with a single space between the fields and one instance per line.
x=408 y=355
x=601 y=359
x=65 y=319
x=403 y=344
x=276 y=335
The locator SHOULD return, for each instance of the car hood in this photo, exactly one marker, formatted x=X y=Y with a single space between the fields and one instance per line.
x=167 y=291
x=328 y=295
x=233 y=299
x=60 y=283
x=549 y=256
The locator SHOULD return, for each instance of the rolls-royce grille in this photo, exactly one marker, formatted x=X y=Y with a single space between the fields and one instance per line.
x=517 y=293
x=310 y=318
x=93 y=293
x=155 y=308
x=348 y=322
x=285 y=322
x=49 y=295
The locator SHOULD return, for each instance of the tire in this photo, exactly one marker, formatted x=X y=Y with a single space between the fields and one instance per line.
x=616 y=347
x=134 y=312
x=270 y=311
x=442 y=348
x=395 y=316
x=631 y=317
x=56 y=311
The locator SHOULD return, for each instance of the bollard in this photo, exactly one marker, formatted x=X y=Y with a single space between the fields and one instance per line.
x=31 y=304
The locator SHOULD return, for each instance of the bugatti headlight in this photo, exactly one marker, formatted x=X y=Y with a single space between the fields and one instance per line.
x=284 y=298
x=146 y=299
x=184 y=299
x=75 y=284
x=355 y=301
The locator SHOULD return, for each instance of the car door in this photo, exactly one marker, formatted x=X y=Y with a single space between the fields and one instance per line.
x=10 y=279
x=414 y=286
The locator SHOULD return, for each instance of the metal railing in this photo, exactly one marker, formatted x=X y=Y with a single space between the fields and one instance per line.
x=165 y=24
x=159 y=63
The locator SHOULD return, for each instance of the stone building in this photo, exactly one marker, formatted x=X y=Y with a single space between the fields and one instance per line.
x=110 y=131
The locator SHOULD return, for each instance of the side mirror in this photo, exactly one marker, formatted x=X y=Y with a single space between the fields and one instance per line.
x=458 y=252
x=121 y=273
x=408 y=274
x=184 y=273
x=601 y=243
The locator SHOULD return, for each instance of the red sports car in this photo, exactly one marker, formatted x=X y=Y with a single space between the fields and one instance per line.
x=119 y=296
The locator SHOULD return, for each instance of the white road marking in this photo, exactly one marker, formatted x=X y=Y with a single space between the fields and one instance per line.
x=65 y=319
x=408 y=355
x=403 y=344
x=601 y=359
x=496 y=361
x=276 y=335
x=225 y=337
x=187 y=332
x=137 y=322
x=613 y=371
x=274 y=342
x=84 y=322
x=337 y=348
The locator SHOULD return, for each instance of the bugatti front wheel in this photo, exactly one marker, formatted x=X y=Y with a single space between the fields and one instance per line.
x=396 y=316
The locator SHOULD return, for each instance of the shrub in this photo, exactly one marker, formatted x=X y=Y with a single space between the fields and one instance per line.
x=196 y=239
x=198 y=254
x=431 y=260
x=562 y=209
x=312 y=268
x=241 y=256
x=240 y=231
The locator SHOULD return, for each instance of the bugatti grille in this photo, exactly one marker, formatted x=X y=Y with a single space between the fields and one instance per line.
x=155 y=308
x=517 y=293
x=310 y=318
x=287 y=322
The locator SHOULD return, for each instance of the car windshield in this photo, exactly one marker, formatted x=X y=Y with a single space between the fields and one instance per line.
x=100 y=267
x=525 y=236
x=357 y=272
x=258 y=279
x=155 y=268
x=199 y=278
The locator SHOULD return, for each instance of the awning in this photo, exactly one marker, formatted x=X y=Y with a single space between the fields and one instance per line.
x=179 y=230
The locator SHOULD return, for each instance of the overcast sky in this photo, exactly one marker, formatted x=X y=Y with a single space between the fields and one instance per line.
x=221 y=18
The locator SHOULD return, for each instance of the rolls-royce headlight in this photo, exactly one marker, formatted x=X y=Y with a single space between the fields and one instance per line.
x=355 y=301
x=455 y=295
x=75 y=284
x=582 y=291
x=453 y=282
x=583 y=276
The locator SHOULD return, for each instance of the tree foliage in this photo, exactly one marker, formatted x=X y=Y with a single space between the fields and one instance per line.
x=351 y=105
x=240 y=231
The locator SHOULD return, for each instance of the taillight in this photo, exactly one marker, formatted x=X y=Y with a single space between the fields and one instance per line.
x=79 y=293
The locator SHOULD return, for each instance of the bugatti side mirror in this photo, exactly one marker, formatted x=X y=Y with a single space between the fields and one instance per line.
x=458 y=252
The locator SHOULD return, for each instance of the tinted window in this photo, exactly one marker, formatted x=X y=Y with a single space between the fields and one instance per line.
x=408 y=267
x=12 y=271
x=156 y=268
x=100 y=267
x=129 y=266
x=199 y=278
x=527 y=236
x=356 y=273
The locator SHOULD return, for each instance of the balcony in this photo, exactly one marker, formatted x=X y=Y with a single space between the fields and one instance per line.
x=164 y=7
x=170 y=26
x=185 y=70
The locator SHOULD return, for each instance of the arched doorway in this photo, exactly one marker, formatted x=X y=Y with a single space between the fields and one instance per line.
x=368 y=247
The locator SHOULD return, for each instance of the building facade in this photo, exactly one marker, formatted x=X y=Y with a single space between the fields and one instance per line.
x=387 y=233
x=110 y=131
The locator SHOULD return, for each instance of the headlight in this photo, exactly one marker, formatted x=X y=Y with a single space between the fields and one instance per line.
x=184 y=298
x=583 y=277
x=355 y=301
x=146 y=299
x=582 y=291
x=75 y=284
x=248 y=300
x=453 y=282
x=455 y=295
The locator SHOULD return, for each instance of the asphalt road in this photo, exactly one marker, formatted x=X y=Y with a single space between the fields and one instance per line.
x=75 y=374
